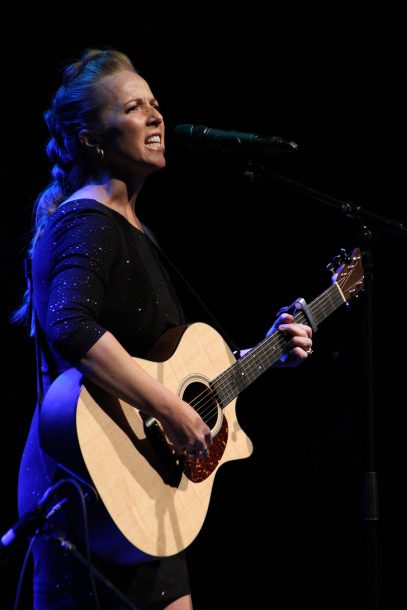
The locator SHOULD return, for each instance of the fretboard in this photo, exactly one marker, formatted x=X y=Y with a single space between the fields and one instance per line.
x=229 y=384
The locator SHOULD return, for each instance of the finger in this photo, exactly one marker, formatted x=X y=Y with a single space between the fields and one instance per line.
x=300 y=330
x=296 y=329
x=295 y=357
x=286 y=318
x=197 y=454
x=190 y=451
x=303 y=343
x=179 y=451
x=298 y=354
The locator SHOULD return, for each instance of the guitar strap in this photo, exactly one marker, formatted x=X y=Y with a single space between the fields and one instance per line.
x=215 y=321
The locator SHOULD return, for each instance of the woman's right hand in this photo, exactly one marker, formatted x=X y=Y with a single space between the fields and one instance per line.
x=109 y=365
x=187 y=431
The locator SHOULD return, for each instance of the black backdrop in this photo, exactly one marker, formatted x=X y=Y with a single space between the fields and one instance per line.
x=287 y=524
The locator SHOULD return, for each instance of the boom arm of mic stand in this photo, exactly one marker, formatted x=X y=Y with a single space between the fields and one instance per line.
x=347 y=208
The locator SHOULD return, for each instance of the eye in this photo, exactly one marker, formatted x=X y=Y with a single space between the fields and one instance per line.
x=131 y=108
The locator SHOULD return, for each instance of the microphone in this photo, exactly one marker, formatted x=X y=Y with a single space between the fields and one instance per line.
x=30 y=522
x=208 y=138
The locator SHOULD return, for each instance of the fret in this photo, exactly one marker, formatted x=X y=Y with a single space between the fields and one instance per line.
x=229 y=384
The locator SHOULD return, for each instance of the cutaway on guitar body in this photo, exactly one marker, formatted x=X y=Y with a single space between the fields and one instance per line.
x=152 y=502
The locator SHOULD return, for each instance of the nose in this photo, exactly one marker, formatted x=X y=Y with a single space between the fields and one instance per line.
x=155 y=118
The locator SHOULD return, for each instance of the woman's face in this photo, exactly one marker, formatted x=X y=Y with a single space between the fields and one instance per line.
x=133 y=128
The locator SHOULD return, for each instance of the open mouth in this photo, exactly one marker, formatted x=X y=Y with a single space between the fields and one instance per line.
x=153 y=142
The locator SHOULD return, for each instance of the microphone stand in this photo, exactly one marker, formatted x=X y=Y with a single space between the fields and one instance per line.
x=370 y=483
x=36 y=523
x=67 y=545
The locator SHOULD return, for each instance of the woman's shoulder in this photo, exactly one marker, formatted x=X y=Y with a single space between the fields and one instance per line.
x=79 y=211
x=82 y=206
x=79 y=219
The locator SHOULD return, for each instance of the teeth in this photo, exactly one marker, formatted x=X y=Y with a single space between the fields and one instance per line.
x=153 y=140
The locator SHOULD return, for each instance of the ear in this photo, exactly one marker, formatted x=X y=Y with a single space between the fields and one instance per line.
x=88 y=139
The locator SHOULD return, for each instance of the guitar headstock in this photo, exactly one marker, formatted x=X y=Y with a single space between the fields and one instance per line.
x=350 y=274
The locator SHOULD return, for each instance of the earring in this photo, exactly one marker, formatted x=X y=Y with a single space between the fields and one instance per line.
x=100 y=152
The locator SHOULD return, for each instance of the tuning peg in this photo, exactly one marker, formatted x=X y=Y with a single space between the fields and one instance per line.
x=339 y=259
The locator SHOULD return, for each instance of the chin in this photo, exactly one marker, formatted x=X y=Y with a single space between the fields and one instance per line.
x=160 y=163
x=151 y=168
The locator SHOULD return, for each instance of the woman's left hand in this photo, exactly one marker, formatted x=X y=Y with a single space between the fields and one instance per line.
x=300 y=343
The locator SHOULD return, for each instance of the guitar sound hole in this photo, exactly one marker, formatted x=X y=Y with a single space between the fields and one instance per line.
x=203 y=400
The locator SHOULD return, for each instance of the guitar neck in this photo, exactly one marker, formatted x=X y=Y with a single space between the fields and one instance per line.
x=231 y=382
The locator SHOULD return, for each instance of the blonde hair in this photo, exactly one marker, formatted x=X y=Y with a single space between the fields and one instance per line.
x=75 y=106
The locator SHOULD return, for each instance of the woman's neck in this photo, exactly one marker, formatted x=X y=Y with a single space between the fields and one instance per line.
x=114 y=195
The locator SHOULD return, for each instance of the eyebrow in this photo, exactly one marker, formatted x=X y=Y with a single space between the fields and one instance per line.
x=140 y=99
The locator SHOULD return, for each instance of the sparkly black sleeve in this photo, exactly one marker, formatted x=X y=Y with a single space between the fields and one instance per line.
x=82 y=244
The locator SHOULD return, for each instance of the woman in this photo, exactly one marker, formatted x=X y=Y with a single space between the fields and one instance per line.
x=101 y=296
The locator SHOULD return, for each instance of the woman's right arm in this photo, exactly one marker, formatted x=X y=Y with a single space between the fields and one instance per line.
x=81 y=249
x=112 y=368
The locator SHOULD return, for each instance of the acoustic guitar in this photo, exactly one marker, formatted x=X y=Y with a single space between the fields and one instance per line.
x=151 y=502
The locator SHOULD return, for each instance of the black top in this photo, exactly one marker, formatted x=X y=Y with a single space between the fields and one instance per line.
x=93 y=271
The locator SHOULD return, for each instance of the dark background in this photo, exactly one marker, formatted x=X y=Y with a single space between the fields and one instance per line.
x=284 y=528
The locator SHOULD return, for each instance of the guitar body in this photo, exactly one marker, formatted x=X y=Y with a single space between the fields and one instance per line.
x=151 y=502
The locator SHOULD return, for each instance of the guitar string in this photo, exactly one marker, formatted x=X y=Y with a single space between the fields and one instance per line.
x=270 y=347
x=278 y=341
x=336 y=299
x=203 y=403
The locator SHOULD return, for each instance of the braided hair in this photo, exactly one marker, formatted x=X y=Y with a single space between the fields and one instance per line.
x=76 y=106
